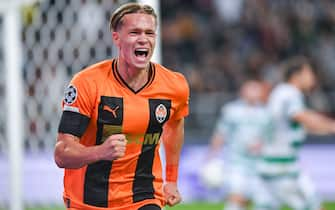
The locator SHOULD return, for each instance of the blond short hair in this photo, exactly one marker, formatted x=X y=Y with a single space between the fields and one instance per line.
x=129 y=8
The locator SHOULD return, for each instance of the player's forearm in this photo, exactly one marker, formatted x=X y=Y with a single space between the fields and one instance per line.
x=172 y=160
x=173 y=150
x=71 y=154
x=173 y=140
x=317 y=123
x=322 y=128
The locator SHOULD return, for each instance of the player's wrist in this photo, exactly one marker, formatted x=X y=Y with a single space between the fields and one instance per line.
x=171 y=173
x=98 y=154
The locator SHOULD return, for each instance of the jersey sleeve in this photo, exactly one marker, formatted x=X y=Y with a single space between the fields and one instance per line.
x=295 y=104
x=182 y=100
x=77 y=104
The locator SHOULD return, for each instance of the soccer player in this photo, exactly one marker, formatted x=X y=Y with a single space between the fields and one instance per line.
x=284 y=182
x=243 y=126
x=115 y=113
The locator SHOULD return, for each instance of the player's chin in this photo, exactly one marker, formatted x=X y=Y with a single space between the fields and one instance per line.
x=142 y=64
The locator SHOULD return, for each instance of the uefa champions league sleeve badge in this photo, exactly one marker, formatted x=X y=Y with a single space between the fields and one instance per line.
x=70 y=95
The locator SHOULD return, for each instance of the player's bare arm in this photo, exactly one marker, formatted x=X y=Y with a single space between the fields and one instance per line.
x=69 y=153
x=173 y=139
x=217 y=142
x=315 y=122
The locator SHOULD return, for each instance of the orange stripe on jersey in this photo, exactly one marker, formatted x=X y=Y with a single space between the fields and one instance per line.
x=114 y=108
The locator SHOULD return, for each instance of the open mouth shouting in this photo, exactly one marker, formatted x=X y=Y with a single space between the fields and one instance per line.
x=141 y=53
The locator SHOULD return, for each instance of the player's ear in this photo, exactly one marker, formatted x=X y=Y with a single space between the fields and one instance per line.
x=116 y=38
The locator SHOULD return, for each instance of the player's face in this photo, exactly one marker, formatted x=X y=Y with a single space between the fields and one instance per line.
x=308 y=78
x=253 y=92
x=136 y=39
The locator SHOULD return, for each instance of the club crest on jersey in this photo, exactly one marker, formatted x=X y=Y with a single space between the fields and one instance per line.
x=161 y=113
x=70 y=95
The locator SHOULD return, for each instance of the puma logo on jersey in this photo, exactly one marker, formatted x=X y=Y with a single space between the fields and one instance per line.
x=113 y=111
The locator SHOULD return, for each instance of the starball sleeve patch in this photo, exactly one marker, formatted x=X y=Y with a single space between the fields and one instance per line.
x=70 y=95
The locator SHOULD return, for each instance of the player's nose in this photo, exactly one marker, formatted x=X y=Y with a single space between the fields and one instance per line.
x=143 y=38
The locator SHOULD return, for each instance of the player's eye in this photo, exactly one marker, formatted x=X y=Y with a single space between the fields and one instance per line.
x=150 y=33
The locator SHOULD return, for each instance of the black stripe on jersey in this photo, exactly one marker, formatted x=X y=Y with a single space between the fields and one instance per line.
x=73 y=123
x=143 y=182
x=110 y=118
x=96 y=183
x=110 y=115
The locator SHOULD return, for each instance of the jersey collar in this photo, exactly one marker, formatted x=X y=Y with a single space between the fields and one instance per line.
x=118 y=77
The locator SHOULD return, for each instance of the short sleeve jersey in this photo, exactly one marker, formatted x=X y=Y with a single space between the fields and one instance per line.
x=97 y=104
x=281 y=152
x=243 y=126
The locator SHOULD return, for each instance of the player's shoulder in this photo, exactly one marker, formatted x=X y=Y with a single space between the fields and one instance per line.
x=174 y=83
x=285 y=90
x=169 y=74
x=234 y=104
x=231 y=107
x=171 y=80
x=95 y=71
x=283 y=87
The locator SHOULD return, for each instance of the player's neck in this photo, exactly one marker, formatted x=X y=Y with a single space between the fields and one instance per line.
x=135 y=78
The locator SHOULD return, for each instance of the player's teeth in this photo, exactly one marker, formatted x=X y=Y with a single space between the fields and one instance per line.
x=141 y=52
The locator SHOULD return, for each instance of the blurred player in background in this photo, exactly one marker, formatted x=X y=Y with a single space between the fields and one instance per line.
x=284 y=182
x=243 y=126
x=114 y=114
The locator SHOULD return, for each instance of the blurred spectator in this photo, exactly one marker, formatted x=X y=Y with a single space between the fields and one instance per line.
x=229 y=40
x=216 y=43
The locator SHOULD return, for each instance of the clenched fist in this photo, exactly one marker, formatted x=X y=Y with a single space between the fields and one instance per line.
x=113 y=147
x=171 y=194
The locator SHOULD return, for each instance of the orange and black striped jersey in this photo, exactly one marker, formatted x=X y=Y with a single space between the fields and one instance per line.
x=97 y=104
